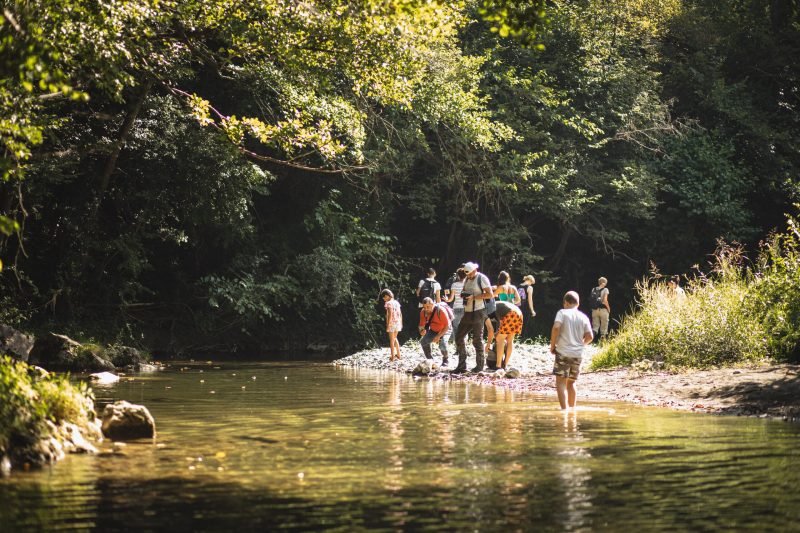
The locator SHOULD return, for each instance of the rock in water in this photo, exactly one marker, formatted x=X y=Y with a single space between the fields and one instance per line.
x=104 y=377
x=513 y=373
x=123 y=420
x=425 y=367
x=126 y=357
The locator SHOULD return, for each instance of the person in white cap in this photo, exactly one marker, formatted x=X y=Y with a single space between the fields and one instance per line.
x=477 y=289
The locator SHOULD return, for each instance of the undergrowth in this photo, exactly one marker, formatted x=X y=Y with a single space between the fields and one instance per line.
x=738 y=313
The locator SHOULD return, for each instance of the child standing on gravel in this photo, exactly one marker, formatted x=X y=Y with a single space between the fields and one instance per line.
x=571 y=332
x=394 y=323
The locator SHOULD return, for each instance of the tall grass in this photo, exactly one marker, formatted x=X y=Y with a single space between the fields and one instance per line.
x=714 y=324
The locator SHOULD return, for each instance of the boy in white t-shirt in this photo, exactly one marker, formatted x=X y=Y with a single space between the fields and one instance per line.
x=571 y=332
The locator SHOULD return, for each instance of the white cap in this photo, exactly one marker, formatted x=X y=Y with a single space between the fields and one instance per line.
x=469 y=267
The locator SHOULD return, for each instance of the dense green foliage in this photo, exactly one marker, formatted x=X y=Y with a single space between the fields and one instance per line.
x=737 y=313
x=29 y=402
x=777 y=292
x=713 y=324
x=226 y=175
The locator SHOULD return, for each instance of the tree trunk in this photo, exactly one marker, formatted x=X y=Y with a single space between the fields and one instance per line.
x=111 y=163
x=452 y=245
x=555 y=262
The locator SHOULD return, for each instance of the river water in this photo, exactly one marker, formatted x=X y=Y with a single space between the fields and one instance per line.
x=309 y=446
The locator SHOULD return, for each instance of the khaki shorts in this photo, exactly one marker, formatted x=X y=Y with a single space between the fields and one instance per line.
x=568 y=367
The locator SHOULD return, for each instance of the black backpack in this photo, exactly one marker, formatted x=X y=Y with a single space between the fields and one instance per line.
x=449 y=283
x=426 y=291
x=596 y=298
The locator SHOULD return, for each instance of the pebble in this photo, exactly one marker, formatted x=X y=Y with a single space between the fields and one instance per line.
x=530 y=359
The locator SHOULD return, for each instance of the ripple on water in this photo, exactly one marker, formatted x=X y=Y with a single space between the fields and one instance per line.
x=394 y=453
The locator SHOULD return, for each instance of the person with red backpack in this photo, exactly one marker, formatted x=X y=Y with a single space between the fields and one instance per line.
x=435 y=326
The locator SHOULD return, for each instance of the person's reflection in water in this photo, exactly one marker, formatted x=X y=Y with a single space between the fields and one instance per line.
x=575 y=474
x=441 y=424
x=392 y=420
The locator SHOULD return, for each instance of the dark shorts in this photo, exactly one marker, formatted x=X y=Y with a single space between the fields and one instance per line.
x=568 y=367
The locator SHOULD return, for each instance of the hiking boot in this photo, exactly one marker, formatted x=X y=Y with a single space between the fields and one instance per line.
x=476 y=369
x=460 y=369
x=444 y=363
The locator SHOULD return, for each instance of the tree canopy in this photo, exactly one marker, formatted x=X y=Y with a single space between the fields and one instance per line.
x=241 y=175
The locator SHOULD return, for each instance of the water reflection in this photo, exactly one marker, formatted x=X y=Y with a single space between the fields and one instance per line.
x=392 y=420
x=574 y=473
x=382 y=450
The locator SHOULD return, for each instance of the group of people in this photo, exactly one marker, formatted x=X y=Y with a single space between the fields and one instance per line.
x=469 y=303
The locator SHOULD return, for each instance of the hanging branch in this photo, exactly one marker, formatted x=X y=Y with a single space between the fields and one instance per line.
x=261 y=158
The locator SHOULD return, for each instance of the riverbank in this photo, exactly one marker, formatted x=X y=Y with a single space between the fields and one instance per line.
x=42 y=417
x=767 y=390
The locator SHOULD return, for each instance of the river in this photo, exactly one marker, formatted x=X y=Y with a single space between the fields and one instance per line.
x=310 y=446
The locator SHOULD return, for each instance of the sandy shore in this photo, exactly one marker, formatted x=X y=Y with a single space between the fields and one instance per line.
x=768 y=390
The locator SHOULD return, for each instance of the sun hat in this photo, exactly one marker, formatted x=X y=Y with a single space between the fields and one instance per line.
x=469 y=267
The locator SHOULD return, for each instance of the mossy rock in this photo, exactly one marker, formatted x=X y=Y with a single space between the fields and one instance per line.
x=42 y=416
x=59 y=352
x=126 y=356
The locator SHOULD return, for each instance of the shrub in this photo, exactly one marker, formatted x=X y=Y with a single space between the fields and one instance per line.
x=715 y=323
x=776 y=290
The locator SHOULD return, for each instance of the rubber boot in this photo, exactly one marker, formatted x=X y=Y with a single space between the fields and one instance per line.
x=478 y=363
x=462 y=365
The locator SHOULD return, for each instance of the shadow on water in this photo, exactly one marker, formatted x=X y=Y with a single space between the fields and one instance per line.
x=180 y=504
x=262 y=440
